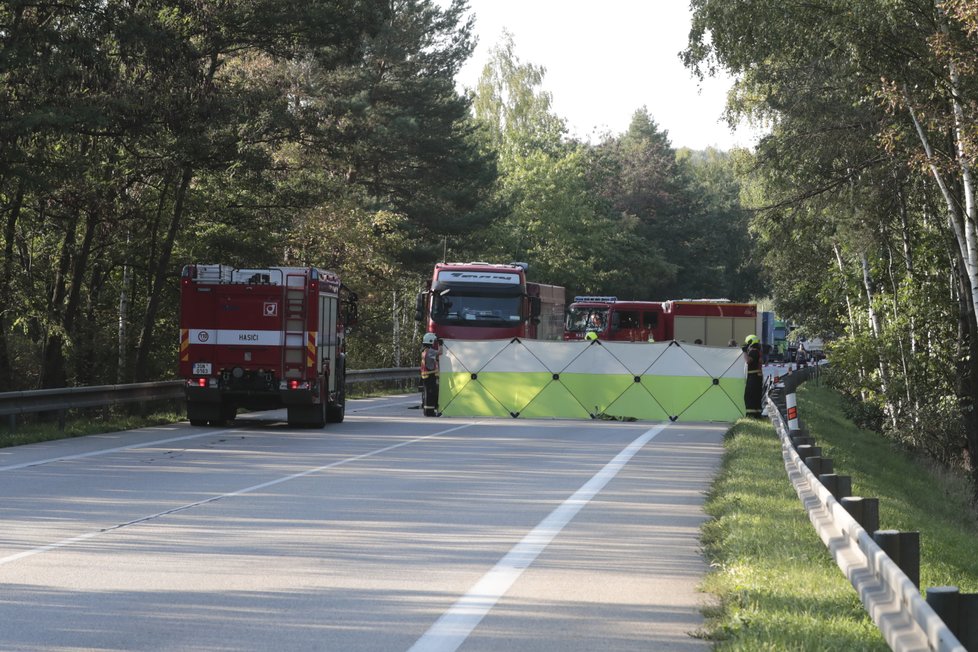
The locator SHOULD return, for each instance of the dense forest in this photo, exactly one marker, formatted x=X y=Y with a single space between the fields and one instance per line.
x=862 y=196
x=137 y=137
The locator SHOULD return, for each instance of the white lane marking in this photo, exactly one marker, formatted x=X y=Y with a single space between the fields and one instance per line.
x=106 y=451
x=152 y=444
x=83 y=537
x=455 y=625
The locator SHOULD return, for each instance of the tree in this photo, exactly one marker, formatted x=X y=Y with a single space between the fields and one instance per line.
x=875 y=95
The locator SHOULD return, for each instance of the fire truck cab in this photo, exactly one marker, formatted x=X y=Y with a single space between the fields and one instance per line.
x=264 y=339
x=611 y=319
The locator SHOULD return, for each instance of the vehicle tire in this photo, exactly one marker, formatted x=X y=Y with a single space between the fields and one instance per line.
x=229 y=412
x=307 y=416
x=199 y=414
x=336 y=411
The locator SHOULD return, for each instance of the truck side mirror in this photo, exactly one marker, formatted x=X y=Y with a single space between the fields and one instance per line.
x=419 y=307
x=535 y=308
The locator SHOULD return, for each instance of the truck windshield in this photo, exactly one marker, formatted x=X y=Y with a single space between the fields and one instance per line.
x=475 y=309
x=581 y=319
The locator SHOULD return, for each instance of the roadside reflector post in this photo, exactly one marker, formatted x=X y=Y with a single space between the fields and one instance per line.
x=866 y=511
x=904 y=549
x=791 y=403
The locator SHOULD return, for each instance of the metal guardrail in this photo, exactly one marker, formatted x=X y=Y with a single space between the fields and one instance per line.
x=891 y=599
x=70 y=398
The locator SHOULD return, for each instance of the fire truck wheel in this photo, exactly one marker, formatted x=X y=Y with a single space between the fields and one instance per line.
x=307 y=416
x=199 y=413
x=336 y=411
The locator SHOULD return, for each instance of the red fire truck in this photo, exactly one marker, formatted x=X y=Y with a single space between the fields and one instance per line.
x=611 y=319
x=264 y=339
x=714 y=322
x=484 y=301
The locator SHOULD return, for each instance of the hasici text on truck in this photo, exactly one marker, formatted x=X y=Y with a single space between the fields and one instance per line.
x=264 y=339
x=485 y=301
x=714 y=322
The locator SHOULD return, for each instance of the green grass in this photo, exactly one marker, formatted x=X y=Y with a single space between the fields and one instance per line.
x=79 y=426
x=776 y=586
x=91 y=422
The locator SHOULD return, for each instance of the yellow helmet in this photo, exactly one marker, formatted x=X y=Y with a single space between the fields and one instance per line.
x=751 y=339
x=591 y=336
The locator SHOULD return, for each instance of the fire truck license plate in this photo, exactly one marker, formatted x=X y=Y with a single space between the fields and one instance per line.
x=202 y=368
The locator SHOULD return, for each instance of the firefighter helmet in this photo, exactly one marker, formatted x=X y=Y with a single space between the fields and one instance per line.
x=429 y=338
x=751 y=339
x=591 y=336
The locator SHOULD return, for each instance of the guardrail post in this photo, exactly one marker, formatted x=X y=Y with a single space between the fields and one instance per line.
x=904 y=549
x=959 y=611
x=62 y=420
x=819 y=465
x=968 y=613
x=12 y=422
x=945 y=601
x=840 y=486
x=806 y=451
x=801 y=438
x=866 y=511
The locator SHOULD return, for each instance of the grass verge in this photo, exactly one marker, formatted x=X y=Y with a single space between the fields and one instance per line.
x=92 y=422
x=777 y=587
x=80 y=426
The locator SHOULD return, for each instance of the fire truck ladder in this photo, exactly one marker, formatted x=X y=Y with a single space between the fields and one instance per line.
x=293 y=353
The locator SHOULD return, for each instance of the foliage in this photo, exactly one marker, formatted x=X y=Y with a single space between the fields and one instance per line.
x=145 y=136
x=862 y=194
x=783 y=591
x=628 y=216
x=141 y=137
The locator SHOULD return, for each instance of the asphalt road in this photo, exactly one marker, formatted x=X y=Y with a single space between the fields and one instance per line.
x=389 y=531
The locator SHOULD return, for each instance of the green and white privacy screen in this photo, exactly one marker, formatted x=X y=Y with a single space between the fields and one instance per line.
x=661 y=381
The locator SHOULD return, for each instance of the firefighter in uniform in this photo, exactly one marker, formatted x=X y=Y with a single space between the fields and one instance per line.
x=430 y=352
x=755 y=380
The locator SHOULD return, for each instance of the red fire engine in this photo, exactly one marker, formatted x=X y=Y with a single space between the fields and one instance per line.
x=484 y=301
x=611 y=319
x=713 y=322
x=264 y=339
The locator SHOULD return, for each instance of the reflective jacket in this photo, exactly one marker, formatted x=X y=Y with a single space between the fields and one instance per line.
x=753 y=359
x=429 y=361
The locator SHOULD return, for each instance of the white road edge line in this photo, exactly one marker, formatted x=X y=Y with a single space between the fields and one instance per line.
x=158 y=442
x=455 y=625
x=84 y=537
x=107 y=451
